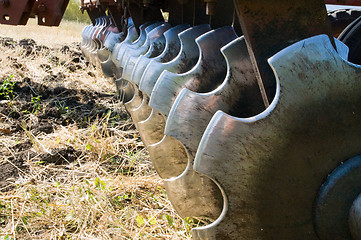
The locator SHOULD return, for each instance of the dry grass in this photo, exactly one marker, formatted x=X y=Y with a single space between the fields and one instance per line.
x=67 y=32
x=109 y=191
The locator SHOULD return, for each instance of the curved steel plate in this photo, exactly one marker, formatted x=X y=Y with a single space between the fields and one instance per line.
x=108 y=66
x=152 y=128
x=209 y=72
x=138 y=47
x=111 y=39
x=132 y=36
x=141 y=112
x=169 y=157
x=171 y=50
x=194 y=195
x=185 y=60
x=239 y=93
x=156 y=44
x=276 y=161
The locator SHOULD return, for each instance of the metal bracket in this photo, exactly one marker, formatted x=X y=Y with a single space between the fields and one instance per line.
x=15 y=13
x=49 y=12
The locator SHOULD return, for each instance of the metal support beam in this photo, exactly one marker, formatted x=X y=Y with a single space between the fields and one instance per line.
x=142 y=15
x=15 y=13
x=49 y=12
x=270 y=26
x=344 y=2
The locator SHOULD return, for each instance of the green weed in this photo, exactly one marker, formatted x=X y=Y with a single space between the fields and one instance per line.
x=7 y=237
x=36 y=104
x=7 y=88
x=63 y=109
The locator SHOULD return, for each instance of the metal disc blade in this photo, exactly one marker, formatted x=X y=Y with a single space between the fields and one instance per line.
x=185 y=60
x=277 y=160
x=209 y=72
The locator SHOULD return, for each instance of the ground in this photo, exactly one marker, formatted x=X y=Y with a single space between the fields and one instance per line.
x=72 y=164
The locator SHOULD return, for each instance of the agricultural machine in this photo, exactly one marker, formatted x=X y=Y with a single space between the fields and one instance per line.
x=250 y=109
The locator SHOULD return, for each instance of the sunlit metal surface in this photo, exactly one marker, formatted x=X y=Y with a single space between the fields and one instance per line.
x=201 y=195
x=355 y=218
x=108 y=66
x=171 y=50
x=185 y=60
x=193 y=194
x=238 y=94
x=156 y=41
x=169 y=157
x=152 y=128
x=275 y=161
x=141 y=112
x=137 y=48
x=206 y=75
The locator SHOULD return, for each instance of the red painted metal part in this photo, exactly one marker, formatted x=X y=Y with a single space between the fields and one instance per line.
x=49 y=12
x=15 y=12
x=344 y=2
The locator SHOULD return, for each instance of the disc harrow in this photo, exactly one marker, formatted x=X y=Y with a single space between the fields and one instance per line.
x=258 y=132
x=266 y=185
x=219 y=123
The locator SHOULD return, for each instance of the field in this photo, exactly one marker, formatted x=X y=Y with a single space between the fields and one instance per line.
x=72 y=163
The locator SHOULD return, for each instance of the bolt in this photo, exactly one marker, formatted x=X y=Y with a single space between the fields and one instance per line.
x=5 y=3
x=41 y=7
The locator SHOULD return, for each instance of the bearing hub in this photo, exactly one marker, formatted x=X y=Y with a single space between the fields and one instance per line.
x=338 y=205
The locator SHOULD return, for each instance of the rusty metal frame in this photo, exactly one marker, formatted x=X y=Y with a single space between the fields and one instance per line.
x=271 y=27
x=49 y=12
x=344 y=2
x=17 y=12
